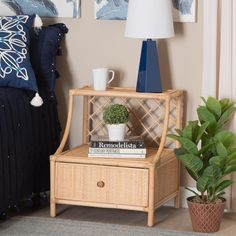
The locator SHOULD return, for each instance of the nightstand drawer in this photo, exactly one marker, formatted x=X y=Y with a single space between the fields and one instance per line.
x=103 y=184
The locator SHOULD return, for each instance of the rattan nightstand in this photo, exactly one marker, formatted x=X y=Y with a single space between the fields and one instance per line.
x=132 y=184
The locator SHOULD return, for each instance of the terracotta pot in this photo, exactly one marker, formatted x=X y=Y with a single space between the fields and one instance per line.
x=206 y=218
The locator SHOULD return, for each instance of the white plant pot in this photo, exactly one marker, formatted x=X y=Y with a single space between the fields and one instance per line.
x=116 y=132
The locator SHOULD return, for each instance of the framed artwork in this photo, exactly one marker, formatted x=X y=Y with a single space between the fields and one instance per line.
x=44 y=8
x=111 y=9
x=183 y=10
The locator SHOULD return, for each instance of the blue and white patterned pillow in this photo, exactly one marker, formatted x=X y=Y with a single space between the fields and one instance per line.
x=15 y=67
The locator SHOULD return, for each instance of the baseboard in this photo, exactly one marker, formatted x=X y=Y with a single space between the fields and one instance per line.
x=184 y=194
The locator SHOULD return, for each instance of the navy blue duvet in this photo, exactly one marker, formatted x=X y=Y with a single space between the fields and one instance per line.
x=28 y=135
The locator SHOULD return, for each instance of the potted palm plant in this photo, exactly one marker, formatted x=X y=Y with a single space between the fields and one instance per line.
x=208 y=152
x=115 y=117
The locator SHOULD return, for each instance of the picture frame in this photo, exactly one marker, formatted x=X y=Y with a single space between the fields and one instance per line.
x=183 y=10
x=111 y=9
x=46 y=8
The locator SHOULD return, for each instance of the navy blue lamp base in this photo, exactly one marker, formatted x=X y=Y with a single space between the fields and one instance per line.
x=149 y=79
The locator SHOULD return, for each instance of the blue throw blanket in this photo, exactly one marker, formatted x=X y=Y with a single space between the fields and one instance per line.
x=28 y=135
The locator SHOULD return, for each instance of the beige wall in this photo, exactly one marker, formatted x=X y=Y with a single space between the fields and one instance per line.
x=91 y=43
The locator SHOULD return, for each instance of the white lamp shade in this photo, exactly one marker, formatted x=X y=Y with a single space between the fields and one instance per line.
x=149 y=19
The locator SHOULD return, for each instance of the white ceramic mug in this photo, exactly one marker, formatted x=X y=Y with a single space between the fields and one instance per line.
x=101 y=78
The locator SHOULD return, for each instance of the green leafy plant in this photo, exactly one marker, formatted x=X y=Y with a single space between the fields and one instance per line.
x=207 y=151
x=116 y=114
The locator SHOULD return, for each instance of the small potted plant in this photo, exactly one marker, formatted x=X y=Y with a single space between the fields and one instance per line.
x=115 y=117
x=208 y=152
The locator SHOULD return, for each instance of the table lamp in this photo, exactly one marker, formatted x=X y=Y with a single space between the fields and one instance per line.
x=149 y=19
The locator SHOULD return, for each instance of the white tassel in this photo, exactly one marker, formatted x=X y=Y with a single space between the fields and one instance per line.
x=38 y=23
x=37 y=101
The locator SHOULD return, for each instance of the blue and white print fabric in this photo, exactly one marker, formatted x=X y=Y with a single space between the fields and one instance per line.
x=15 y=67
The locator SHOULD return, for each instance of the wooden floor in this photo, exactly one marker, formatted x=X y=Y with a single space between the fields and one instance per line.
x=166 y=217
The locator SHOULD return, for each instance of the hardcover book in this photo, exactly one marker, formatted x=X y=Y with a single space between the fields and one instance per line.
x=105 y=155
x=132 y=142
x=117 y=150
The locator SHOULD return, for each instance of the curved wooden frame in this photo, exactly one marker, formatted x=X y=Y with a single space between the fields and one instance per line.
x=164 y=131
x=68 y=124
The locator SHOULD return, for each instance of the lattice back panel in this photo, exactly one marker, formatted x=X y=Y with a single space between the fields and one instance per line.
x=146 y=117
x=173 y=120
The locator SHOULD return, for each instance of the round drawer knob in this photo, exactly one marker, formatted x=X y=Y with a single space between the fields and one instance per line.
x=100 y=184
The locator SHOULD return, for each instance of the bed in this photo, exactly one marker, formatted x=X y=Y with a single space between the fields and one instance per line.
x=28 y=134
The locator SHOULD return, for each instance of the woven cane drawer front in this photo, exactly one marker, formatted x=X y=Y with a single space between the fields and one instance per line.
x=103 y=184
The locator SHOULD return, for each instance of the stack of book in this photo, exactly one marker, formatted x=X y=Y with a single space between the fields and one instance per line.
x=132 y=147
